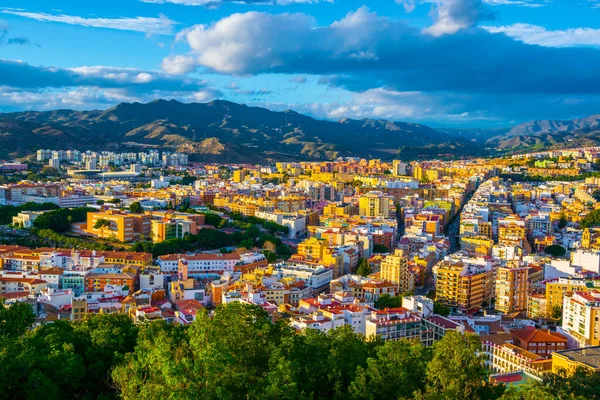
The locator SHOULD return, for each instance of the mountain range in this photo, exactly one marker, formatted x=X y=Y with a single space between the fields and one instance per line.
x=229 y=132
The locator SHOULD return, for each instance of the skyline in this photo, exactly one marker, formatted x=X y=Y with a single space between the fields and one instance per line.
x=519 y=59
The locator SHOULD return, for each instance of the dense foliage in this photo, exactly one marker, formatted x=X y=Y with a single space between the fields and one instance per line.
x=210 y=239
x=555 y=250
x=8 y=212
x=591 y=220
x=60 y=220
x=241 y=354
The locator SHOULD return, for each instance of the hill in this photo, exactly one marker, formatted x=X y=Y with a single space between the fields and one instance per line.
x=222 y=131
x=219 y=131
x=548 y=134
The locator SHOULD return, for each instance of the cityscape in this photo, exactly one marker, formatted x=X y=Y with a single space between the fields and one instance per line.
x=300 y=199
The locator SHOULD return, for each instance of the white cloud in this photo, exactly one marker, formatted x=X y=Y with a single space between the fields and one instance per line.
x=244 y=43
x=214 y=3
x=178 y=64
x=206 y=95
x=153 y=26
x=522 y=3
x=534 y=34
x=450 y=16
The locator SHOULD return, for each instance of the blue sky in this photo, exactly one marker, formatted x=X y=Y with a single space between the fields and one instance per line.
x=471 y=63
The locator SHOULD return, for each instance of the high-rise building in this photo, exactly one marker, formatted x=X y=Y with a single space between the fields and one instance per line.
x=375 y=204
x=581 y=317
x=394 y=268
x=468 y=287
x=511 y=288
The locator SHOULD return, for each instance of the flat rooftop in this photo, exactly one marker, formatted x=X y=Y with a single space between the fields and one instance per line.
x=587 y=355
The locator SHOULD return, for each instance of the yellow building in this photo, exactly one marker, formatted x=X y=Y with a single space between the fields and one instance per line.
x=313 y=248
x=556 y=290
x=336 y=210
x=239 y=175
x=464 y=286
x=512 y=231
x=512 y=288
x=375 y=204
x=394 y=268
x=121 y=226
x=478 y=244
x=570 y=360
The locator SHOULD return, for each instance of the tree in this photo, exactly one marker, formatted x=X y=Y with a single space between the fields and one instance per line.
x=101 y=224
x=70 y=220
x=379 y=248
x=387 y=301
x=457 y=368
x=136 y=207
x=49 y=171
x=100 y=202
x=555 y=250
x=556 y=312
x=397 y=371
x=115 y=201
x=441 y=309
x=15 y=319
x=364 y=268
x=562 y=222
x=591 y=220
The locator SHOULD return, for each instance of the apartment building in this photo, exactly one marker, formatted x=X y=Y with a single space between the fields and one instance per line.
x=464 y=286
x=122 y=226
x=581 y=317
x=395 y=268
x=512 y=288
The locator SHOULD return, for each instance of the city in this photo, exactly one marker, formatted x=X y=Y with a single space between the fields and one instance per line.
x=505 y=249
x=300 y=199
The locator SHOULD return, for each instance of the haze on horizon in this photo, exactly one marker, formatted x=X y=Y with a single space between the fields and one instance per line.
x=468 y=63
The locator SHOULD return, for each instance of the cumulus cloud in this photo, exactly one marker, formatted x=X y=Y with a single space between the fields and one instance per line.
x=153 y=26
x=364 y=51
x=178 y=64
x=534 y=34
x=450 y=16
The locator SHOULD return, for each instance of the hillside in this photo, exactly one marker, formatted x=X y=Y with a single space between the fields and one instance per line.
x=548 y=134
x=222 y=131
x=219 y=131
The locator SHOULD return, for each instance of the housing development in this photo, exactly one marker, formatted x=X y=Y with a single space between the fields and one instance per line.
x=507 y=249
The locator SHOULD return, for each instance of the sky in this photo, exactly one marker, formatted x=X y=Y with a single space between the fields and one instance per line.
x=455 y=63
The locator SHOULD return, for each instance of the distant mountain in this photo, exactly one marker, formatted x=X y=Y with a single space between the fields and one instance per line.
x=477 y=135
x=219 y=131
x=548 y=134
x=222 y=131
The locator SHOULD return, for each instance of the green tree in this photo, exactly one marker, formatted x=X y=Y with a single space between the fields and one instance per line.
x=441 y=309
x=101 y=224
x=387 y=301
x=15 y=319
x=49 y=171
x=397 y=371
x=136 y=207
x=457 y=369
x=364 y=268
x=555 y=250
x=379 y=248
x=562 y=222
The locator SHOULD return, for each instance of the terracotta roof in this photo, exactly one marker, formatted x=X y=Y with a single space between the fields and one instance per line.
x=532 y=335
